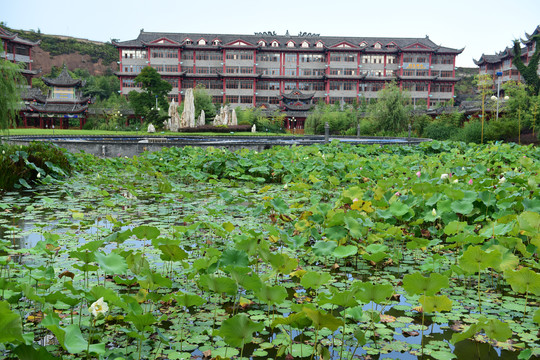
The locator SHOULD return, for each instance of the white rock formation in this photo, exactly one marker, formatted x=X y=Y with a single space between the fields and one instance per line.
x=202 y=119
x=173 y=123
x=188 y=115
x=234 y=120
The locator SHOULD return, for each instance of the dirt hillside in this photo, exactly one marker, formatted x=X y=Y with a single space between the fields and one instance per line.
x=44 y=61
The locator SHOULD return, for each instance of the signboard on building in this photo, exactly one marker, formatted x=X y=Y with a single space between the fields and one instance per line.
x=413 y=66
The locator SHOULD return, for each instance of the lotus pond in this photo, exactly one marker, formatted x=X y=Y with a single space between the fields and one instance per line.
x=328 y=252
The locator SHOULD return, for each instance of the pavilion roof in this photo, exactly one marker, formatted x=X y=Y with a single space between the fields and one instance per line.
x=64 y=80
x=14 y=37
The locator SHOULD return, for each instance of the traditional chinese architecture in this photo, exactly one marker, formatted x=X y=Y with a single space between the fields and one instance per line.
x=296 y=105
x=18 y=50
x=261 y=69
x=63 y=102
x=500 y=66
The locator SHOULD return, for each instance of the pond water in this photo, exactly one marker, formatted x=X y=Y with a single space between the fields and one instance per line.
x=219 y=215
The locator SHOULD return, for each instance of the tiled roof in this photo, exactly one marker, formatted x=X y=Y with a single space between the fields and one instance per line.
x=298 y=95
x=58 y=108
x=328 y=41
x=14 y=37
x=64 y=79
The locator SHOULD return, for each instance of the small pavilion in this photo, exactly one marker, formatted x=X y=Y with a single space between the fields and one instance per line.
x=63 y=102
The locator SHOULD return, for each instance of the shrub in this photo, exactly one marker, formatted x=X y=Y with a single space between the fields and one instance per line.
x=471 y=132
x=20 y=165
x=439 y=130
x=503 y=129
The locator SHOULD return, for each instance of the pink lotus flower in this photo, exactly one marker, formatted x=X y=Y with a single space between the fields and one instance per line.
x=397 y=193
x=418 y=174
x=470 y=182
x=355 y=200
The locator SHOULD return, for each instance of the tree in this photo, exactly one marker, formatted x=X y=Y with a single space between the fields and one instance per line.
x=529 y=72
x=203 y=101
x=152 y=88
x=390 y=112
x=10 y=92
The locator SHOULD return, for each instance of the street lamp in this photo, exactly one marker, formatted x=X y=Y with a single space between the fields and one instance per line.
x=499 y=75
x=293 y=122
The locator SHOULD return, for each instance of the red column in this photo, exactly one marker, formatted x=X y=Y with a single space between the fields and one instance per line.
x=254 y=91
x=194 y=63
x=224 y=72
x=384 y=71
x=401 y=71
x=179 y=77
x=326 y=81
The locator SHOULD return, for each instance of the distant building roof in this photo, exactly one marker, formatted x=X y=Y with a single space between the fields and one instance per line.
x=343 y=43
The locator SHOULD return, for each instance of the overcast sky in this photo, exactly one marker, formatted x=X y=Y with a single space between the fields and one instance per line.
x=479 y=26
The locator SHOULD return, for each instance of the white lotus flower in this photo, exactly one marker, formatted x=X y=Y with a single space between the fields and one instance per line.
x=502 y=180
x=285 y=186
x=99 y=307
x=444 y=176
x=38 y=175
x=455 y=181
x=434 y=212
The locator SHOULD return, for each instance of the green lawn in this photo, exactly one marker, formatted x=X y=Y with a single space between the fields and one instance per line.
x=130 y=133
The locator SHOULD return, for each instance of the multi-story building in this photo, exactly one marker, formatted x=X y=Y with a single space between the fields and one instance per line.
x=254 y=70
x=18 y=50
x=500 y=66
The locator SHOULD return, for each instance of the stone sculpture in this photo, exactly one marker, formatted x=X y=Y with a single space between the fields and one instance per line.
x=188 y=115
x=173 y=123
x=234 y=120
x=254 y=128
x=151 y=128
x=202 y=119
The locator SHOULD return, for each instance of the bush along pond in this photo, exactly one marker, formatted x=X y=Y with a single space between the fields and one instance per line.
x=315 y=252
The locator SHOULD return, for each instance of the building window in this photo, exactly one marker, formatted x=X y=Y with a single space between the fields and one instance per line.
x=246 y=84
x=202 y=42
x=421 y=87
x=231 y=84
x=217 y=99
x=349 y=86
x=262 y=43
x=272 y=57
x=335 y=85
x=446 y=74
x=171 y=68
x=305 y=72
x=233 y=99
x=133 y=54
x=216 y=42
x=349 y=58
x=202 y=55
x=377 y=45
x=290 y=44
x=232 y=70
x=318 y=86
x=390 y=59
x=187 y=55
x=290 y=58
x=188 y=42
x=335 y=57
x=289 y=85
x=305 y=44
x=320 y=44
x=246 y=99
x=290 y=72
x=275 y=44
